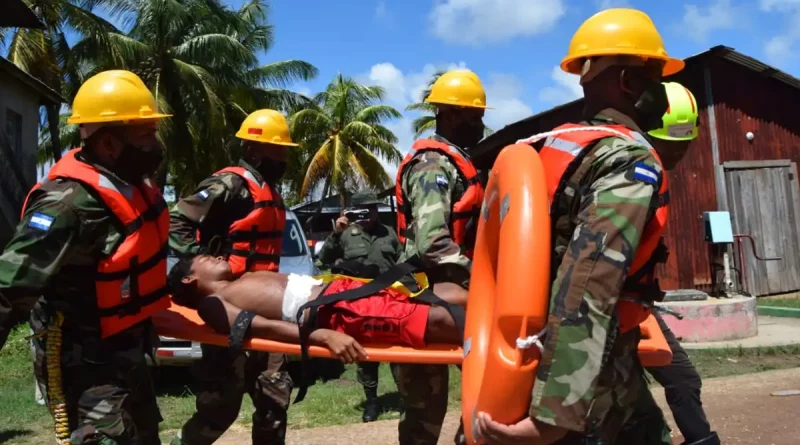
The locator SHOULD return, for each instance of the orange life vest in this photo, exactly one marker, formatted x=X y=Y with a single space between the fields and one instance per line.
x=564 y=152
x=131 y=283
x=465 y=208
x=254 y=242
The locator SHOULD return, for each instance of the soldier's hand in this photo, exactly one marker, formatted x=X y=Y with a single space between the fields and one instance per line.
x=343 y=346
x=526 y=431
x=341 y=223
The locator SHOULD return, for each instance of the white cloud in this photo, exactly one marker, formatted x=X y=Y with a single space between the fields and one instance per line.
x=502 y=94
x=380 y=10
x=783 y=47
x=475 y=22
x=305 y=91
x=567 y=88
x=698 y=22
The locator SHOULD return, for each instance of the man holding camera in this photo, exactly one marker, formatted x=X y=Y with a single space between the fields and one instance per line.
x=361 y=246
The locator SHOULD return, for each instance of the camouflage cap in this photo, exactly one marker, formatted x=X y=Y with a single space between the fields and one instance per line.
x=363 y=199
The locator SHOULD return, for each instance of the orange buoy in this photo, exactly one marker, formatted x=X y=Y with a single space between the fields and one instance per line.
x=653 y=347
x=509 y=291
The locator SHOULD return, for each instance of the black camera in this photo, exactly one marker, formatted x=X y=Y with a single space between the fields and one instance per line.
x=355 y=215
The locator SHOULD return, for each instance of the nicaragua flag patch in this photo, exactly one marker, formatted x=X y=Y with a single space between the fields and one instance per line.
x=645 y=173
x=203 y=195
x=40 y=221
x=441 y=180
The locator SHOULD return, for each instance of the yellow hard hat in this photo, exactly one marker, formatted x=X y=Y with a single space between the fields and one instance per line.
x=618 y=31
x=266 y=126
x=114 y=96
x=458 y=87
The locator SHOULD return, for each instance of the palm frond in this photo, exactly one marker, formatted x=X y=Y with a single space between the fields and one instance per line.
x=281 y=74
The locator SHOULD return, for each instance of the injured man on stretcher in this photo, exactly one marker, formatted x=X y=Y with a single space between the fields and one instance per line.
x=207 y=285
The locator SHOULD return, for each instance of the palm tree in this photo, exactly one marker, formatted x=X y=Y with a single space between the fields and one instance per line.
x=45 y=53
x=427 y=122
x=203 y=72
x=343 y=135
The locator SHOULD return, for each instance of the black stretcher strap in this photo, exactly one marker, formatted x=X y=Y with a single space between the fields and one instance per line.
x=239 y=329
x=381 y=282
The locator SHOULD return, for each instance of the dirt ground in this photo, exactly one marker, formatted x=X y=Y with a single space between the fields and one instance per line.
x=740 y=408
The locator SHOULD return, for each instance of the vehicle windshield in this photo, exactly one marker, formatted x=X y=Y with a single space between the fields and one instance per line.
x=293 y=244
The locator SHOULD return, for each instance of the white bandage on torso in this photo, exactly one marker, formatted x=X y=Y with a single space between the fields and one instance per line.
x=297 y=293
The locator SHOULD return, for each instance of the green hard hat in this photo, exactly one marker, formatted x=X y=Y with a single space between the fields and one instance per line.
x=680 y=121
x=364 y=199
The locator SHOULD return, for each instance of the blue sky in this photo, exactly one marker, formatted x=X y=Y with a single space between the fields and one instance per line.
x=513 y=45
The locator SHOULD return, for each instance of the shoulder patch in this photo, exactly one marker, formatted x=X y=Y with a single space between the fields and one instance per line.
x=645 y=173
x=441 y=180
x=40 y=221
x=203 y=195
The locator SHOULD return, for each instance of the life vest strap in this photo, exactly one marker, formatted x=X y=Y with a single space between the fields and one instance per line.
x=255 y=256
x=466 y=214
x=151 y=214
x=253 y=235
x=135 y=268
x=136 y=303
x=264 y=204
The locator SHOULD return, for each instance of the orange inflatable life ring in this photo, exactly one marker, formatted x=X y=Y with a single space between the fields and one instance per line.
x=509 y=294
x=509 y=290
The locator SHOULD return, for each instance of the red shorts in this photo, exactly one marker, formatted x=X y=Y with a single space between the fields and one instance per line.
x=387 y=317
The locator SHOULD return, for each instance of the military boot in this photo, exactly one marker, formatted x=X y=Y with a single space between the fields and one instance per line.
x=371 y=406
x=713 y=439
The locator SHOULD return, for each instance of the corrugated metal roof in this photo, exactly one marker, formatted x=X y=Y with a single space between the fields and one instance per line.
x=16 y=14
x=47 y=93
x=731 y=55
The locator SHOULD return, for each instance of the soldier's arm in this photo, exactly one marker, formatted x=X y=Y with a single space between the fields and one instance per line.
x=195 y=211
x=331 y=249
x=583 y=299
x=45 y=238
x=430 y=185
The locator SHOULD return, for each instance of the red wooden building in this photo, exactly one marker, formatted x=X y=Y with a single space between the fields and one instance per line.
x=755 y=180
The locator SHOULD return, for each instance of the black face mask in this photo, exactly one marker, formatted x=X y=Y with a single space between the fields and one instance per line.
x=651 y=106
x=272 y=171
x=468 y=134
x=134 y=162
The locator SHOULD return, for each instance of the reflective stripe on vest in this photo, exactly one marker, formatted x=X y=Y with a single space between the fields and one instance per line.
x=561 y=148
x=255 y=240
x=131 y=283
x=465 y=208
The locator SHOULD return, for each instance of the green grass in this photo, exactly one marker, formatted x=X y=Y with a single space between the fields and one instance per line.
x=335 y=402
x=793 y=303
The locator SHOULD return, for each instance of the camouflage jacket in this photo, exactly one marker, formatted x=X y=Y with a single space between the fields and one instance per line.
x=588 y=373
x=58 y=261
x=216 y=203
x=379 y=246
x=430 y=199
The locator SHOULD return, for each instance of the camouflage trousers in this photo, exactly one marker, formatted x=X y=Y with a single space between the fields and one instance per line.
x=223 y=377
x=107 y=388
x=424 y=390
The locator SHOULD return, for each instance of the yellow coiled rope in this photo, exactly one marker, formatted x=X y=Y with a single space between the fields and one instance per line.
x=55 y=393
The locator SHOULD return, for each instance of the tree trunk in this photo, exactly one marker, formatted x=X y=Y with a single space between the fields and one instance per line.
x=55 y=135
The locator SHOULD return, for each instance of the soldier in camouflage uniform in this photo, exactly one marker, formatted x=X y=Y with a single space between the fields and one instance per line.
x=93 y=329
x=680 y=379
x=361 y=245
x=202 y=222
x=436 y=223
x=590 y=378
